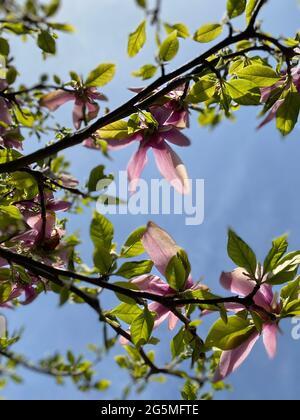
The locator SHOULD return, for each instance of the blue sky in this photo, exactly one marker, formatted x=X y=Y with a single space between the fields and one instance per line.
x=251 y=183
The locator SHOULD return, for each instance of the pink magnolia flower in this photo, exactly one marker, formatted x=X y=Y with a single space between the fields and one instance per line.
x=168 y=162
x=161 y=248
x=85 y=108
x=33 y=218
x=238 y=283
x=267 y=92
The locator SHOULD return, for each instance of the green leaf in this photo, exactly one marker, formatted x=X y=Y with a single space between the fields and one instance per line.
x=146 y=72
x=96 y=175
x=181 y=28
x=241 y=254
x=101 y=231
x=291 y=291
x=251 y=5
x=231 y=335
x=286 y=269
x=288 y=113
x=177 y=273
x=135 y=269
x=5 y=292
x=4 y=47
x=133 y=246
x=169 y=48
x=101 y=75
x=208 y=33
x=261 y=76
x=141 y=3
x=102 y=385
x=8 y=155
x=24 y=116
x=137 y=40
x=279 y=248
x=177 y=344
x=115 y=131
x=46 y=42
x=129 y=286
x=141 y=328
x=190 y=391
x=126 y=312
x=236 y=8
x=202 y=91
x=243 y=92
x=103 y=260
x=52 y=8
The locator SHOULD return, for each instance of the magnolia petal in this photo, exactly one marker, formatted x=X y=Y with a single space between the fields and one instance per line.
x=78 y=113
x=176 y=137
x=173 y=321
x=171 y=167
x=55 y=99
x=233 y=359
x=272 y=115
x=160 y=246
x=237 y=282
x=136 y=166
x=269 y=334
x=162 y=313
x=152 y=284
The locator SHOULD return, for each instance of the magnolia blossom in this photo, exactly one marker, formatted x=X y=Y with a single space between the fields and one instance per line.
x=51 y=235
x=161 y=249
x=267 y=92
x=265 y=303
x=168 y=162
x=85 y=108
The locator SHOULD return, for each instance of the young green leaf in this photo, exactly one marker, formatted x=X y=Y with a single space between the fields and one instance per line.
x=202 y=91
x=130 y=270
x=261 y=76
x=133 y=246
x=279 y=248
x=46 y=42
x=177 y=273
x=236 y=8
x=181 y=28
x=101 y=75
x=251 y=5
x=141 y=328
x=169 y=48
x=243 y=92
x=231 y=335
x=127 y=313
x=208 y=33
x=101 y=231
x=115 y=131
x=137 y=40
x=241 y=254
x=288 y=114
x=146 y=72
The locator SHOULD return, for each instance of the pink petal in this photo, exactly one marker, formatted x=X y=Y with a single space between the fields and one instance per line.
x=237 y=282
x=121 y=144
x=233 y=359
x=136 y=166
x=161 y=114
x=4 y=112
x=173 y=321
x=269 y=333
x=179 y=119
x=171 y=167
x=152 y=284
x=54 y=100
x=272 y=115
x=160 y=246
x=55 y=205
x=162 y=313
x=93 y=110
x=176 y=137
x=78 y=113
